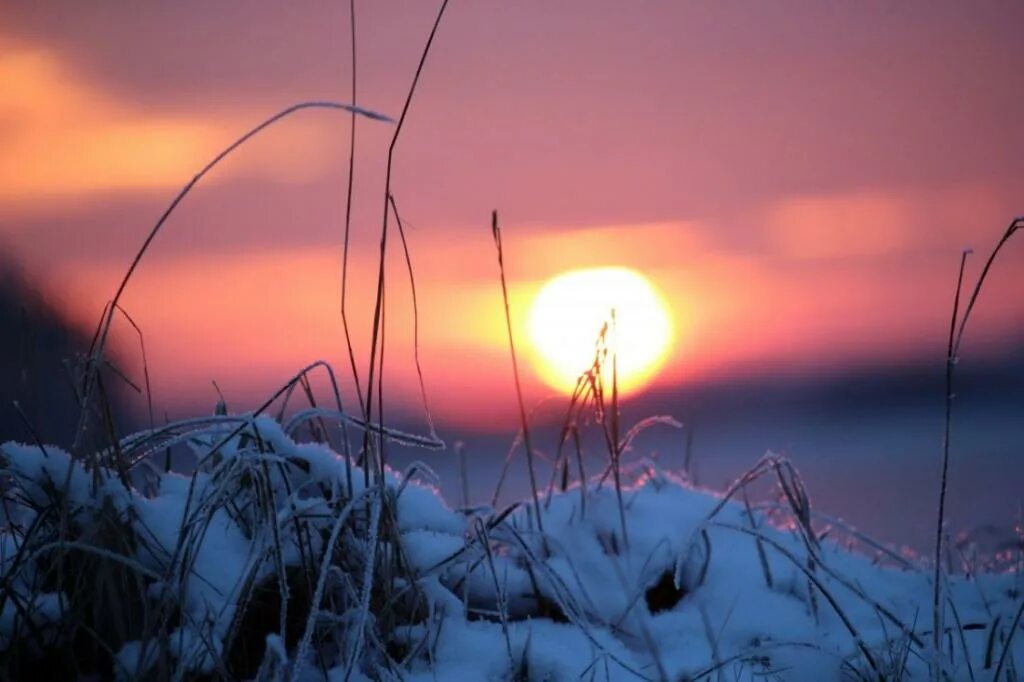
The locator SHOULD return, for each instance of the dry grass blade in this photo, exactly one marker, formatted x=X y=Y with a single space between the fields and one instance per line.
x=849 y=530
x=394 y=435
x=616 y=452
x=378 y=308
x=145 y=363
x=937 y=604
x=511 y=452
x=367 y=585
x=752 y=654
x=1003 y=657
x=322 y=574
x=485 y=542
x=847 y=623
x=415 y=318
x=348 y=217
x=1016 y=224
x=568 y=603
x=523 y=421
x=957 y=327
x=89 y=380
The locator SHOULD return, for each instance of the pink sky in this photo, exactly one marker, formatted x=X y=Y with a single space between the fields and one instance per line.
x=797 y=178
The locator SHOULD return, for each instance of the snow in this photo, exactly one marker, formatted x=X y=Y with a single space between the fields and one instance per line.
x=696 y=586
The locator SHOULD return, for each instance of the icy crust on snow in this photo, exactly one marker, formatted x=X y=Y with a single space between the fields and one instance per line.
x=695 y=585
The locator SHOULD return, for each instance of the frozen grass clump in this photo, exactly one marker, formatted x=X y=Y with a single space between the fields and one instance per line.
x=277 y=559
x=147 y=573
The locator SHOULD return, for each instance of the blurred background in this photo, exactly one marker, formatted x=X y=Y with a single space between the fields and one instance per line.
x=798 y=180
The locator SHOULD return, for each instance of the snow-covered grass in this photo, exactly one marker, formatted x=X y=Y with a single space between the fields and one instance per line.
x=281 y=559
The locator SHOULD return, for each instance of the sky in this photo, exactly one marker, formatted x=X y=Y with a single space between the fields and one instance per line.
x=797 y=179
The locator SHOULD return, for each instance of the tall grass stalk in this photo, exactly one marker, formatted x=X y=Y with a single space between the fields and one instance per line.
x=956 y=335
x=616 y=452
x=415 y=317
x=523 y=421
x=99 y=346
x=378 y=308
x=348 y=214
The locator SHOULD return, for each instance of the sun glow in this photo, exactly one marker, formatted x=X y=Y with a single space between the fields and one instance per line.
x=569 y=312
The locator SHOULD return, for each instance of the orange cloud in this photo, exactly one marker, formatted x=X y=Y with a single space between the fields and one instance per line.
x=881 y=222
x=855 y=224
x=63 y=136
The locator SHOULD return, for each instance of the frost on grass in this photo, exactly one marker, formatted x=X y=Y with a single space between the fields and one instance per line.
x=282 y=560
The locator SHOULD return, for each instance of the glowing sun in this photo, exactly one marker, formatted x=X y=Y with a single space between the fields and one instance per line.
x=568 y=313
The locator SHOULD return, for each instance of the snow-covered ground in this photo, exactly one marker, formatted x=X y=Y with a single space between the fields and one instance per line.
x=139 y=572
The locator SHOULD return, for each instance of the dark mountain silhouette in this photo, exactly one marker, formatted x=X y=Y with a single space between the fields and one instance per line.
x=39 y=352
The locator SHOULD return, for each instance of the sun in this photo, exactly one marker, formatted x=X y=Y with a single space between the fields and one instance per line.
x=567 y=316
